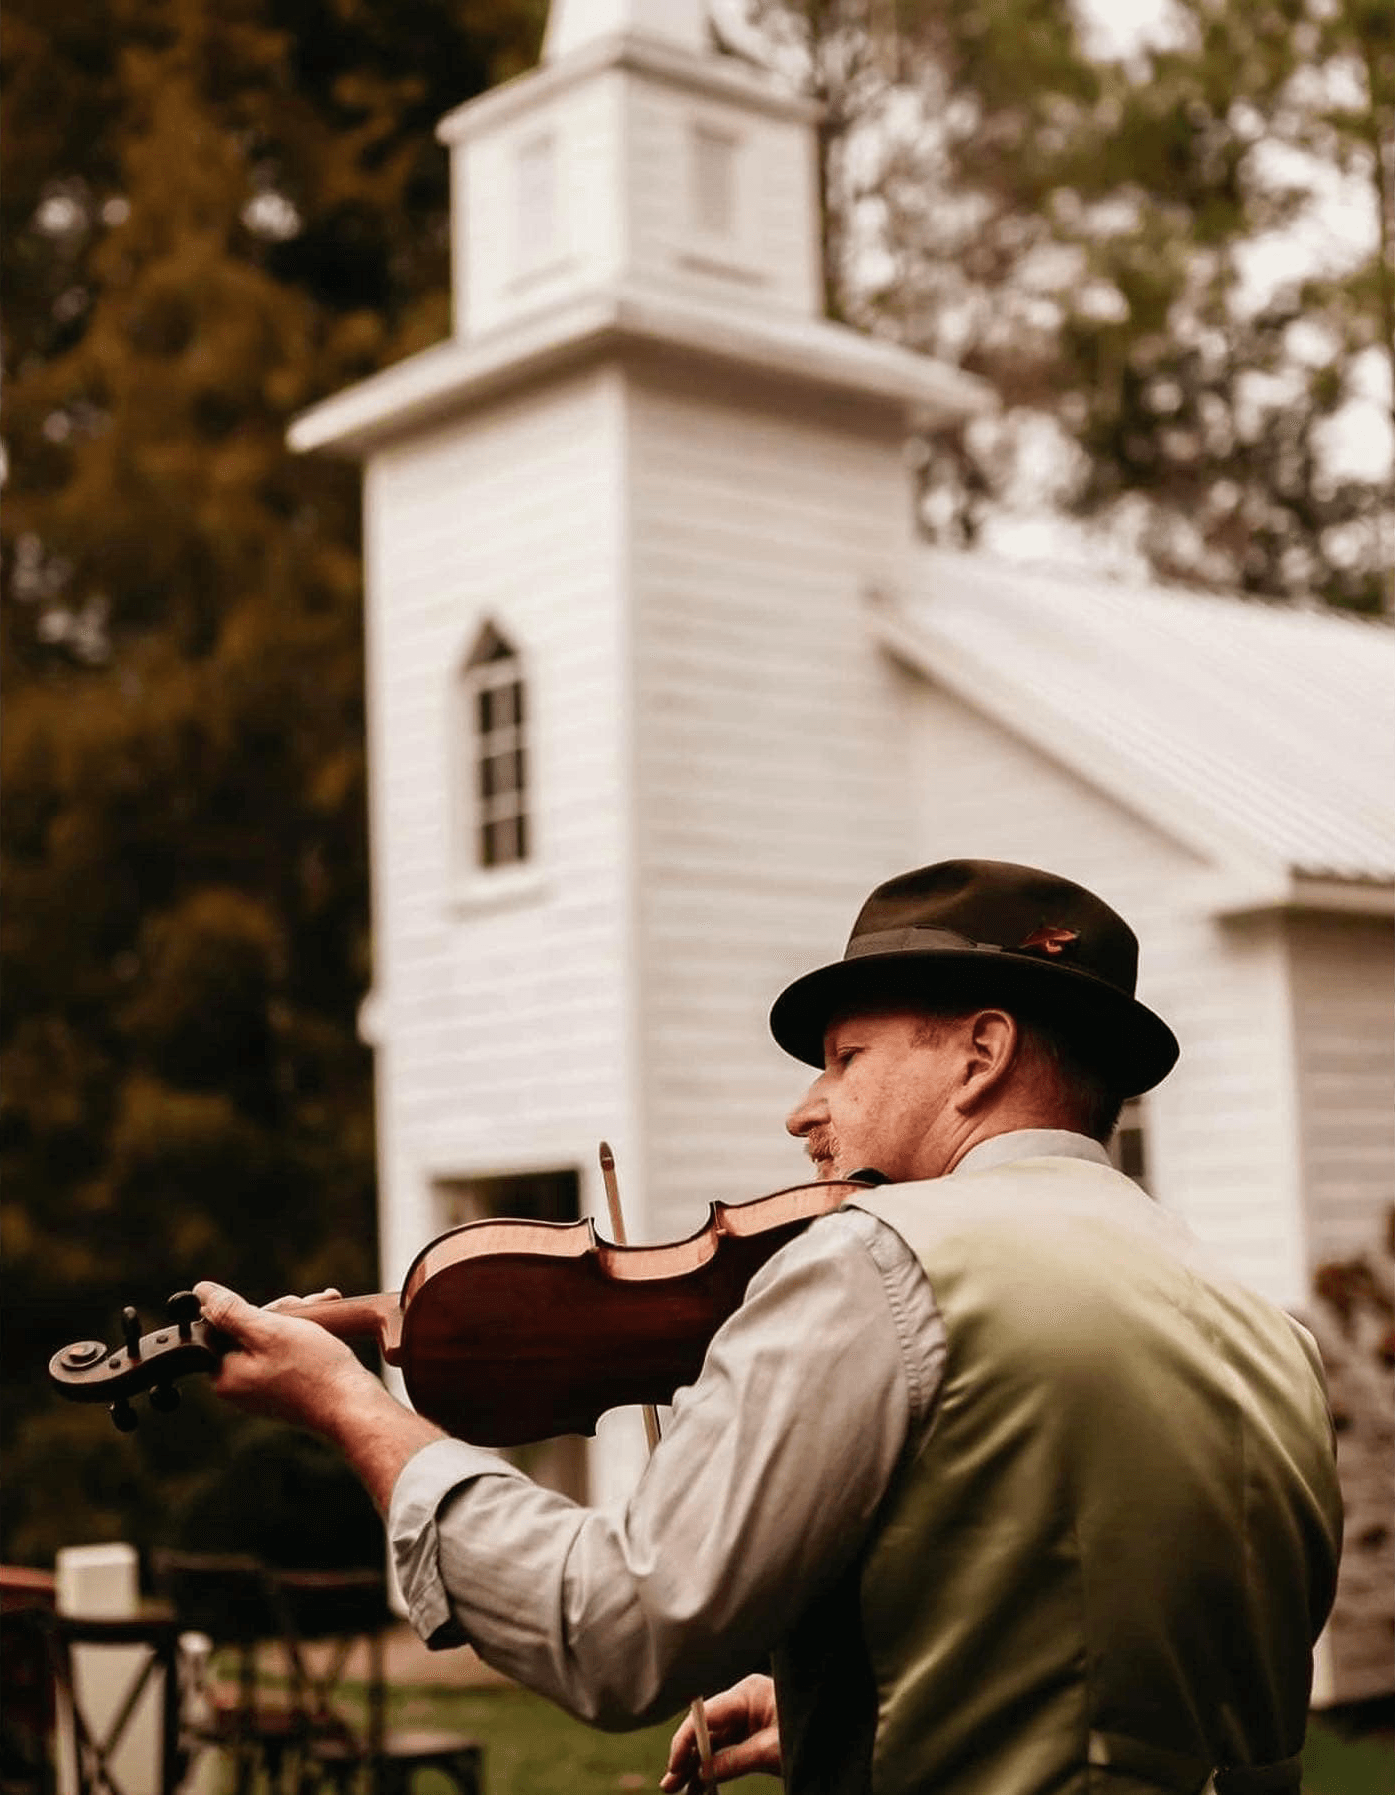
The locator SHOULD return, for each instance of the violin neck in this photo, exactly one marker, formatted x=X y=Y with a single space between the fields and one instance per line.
x=377 y=1317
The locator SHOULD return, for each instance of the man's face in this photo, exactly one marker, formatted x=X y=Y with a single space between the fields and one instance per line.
x=882 y=1099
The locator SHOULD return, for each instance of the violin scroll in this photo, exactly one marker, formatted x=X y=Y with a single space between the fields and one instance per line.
x=87 y=1371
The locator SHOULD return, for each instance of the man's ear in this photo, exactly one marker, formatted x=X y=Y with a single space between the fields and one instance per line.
x=990 y=1050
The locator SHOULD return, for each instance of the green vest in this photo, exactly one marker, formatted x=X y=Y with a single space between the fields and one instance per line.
x=1105 y=1569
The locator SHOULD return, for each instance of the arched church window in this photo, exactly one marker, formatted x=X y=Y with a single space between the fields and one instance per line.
x=495 y=716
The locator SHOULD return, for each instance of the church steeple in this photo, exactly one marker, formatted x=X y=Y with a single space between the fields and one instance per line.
x=572 y=23
x=637 y=190
x=635 y=158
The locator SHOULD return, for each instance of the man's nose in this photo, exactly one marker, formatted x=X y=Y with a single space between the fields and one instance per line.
x=810 y=1112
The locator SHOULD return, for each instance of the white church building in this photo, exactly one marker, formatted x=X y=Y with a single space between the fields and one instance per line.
x=661 y=681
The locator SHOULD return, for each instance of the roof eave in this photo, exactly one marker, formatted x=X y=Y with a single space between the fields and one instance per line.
x=454 y=376
x=1332 y=894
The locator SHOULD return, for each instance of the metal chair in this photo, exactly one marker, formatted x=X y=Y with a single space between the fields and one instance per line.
x=231 y=1602
x=95 y=1745
x=317 y=1624
x=348 y=1611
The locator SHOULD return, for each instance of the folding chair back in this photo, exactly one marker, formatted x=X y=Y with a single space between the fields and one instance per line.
x=152 y=1646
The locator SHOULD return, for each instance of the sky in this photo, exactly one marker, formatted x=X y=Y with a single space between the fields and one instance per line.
x=1116 y=26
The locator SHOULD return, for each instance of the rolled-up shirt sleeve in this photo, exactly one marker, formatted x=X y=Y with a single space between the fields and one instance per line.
x=760 y=1492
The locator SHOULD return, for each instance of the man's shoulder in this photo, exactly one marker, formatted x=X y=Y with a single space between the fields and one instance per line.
x=1033 y=1200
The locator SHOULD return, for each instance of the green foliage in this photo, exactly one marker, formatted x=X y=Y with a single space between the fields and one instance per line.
x=212 y=215
x=1135 y=255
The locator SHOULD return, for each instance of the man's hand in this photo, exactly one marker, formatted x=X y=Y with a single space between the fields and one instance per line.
x=745 y=1733
x=295 y=1370
x=288 y=1369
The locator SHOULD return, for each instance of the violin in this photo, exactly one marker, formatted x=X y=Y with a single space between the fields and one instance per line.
x=505 y=1331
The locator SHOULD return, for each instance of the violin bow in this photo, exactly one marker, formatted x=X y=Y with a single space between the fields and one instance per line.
x=696 y=1707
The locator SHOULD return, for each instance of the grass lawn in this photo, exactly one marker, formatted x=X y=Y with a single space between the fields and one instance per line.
x=1335 y=1764
x=531 y=1748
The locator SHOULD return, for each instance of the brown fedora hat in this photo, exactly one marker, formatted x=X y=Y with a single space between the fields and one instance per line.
x=981 y=932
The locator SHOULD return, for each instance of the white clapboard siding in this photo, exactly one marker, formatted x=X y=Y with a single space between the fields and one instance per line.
x=501 y=1006
x=1219 y=1130
x=1343 y=972
x=769 y=789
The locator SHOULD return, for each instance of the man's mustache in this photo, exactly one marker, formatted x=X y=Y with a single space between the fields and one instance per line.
x=821 y=1144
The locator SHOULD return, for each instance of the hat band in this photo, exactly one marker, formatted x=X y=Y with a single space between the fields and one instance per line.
x=915 y=940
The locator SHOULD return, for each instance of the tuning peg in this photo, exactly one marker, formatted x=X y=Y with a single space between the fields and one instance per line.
x=130 y=1332
x=124 y=1416
x=164 y=1397
x=184 y=1307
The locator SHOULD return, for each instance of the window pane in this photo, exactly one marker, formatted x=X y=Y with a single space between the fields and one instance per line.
x=1128 y=1151
x=501 y=774
x=506 y=706
x=537 y=1196
x=1133 y=1162
x=508 y=841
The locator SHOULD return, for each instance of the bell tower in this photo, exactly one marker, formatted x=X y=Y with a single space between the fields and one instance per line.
x=633 y=750
x=633 y=157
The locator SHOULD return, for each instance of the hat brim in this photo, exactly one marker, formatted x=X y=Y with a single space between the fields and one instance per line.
x=1133 y=1047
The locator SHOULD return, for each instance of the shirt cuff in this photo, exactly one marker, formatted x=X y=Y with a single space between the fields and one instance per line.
x=426 y=1482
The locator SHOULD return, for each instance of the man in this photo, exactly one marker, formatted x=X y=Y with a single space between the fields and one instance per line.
x=1011 y=1490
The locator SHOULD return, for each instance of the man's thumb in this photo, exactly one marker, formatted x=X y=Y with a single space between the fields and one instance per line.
x=227 y=1311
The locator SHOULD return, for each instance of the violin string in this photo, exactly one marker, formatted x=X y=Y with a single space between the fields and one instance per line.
x=696 y=1709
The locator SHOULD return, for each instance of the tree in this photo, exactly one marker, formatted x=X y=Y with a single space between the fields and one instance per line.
x=1099 y=240
x=213 y=216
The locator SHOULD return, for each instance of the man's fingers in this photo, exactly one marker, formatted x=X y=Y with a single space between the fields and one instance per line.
x=761 y=1752
x=682 y=1754
x=283 y=1303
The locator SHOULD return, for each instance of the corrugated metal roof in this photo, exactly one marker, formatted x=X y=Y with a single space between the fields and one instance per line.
x=1274 y=725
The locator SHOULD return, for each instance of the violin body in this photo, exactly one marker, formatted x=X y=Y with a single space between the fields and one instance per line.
x=512 y=1331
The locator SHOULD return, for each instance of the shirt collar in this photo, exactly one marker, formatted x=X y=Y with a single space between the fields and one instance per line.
x=1032 y=1143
